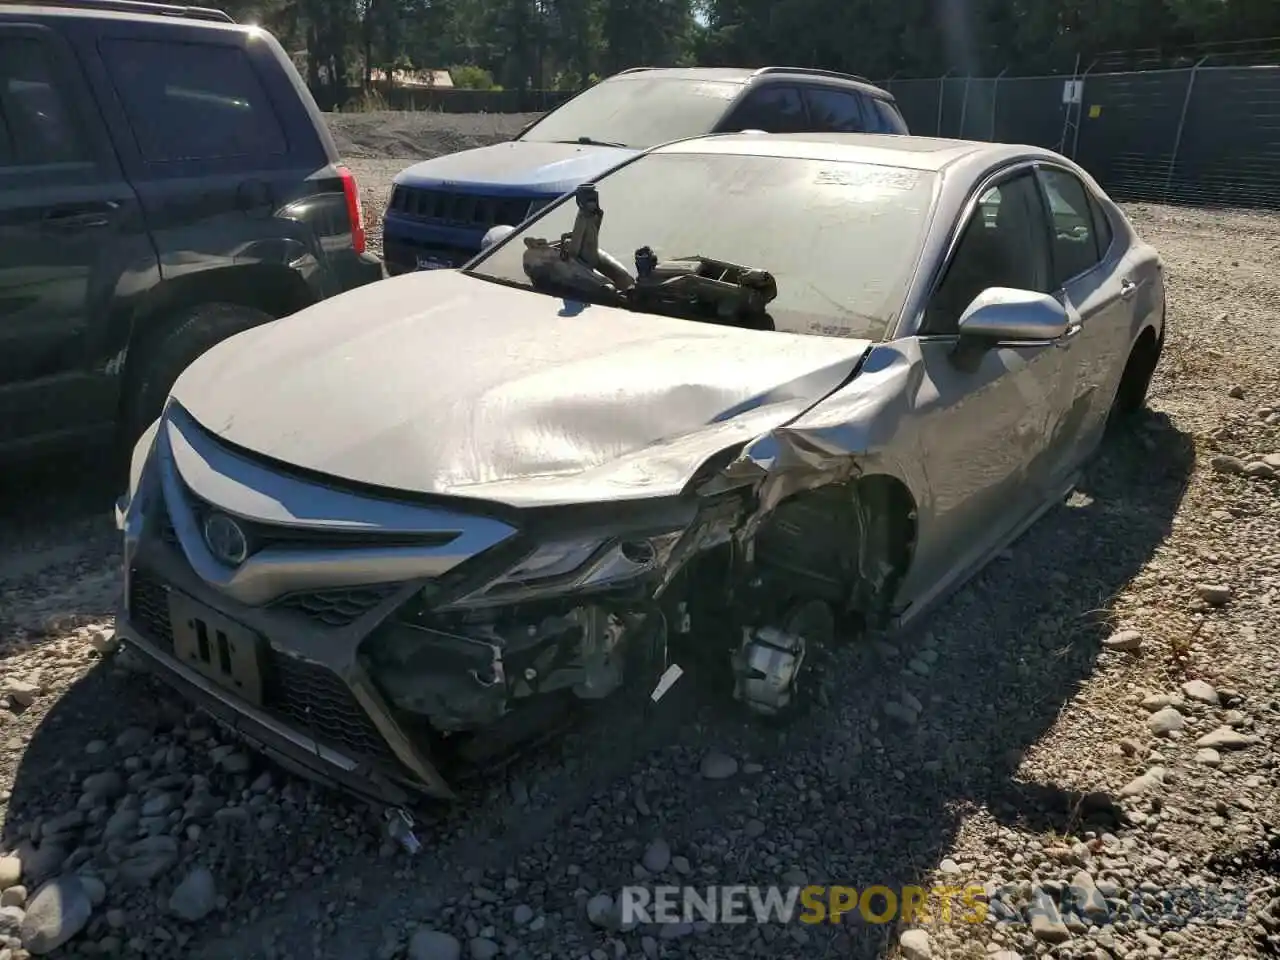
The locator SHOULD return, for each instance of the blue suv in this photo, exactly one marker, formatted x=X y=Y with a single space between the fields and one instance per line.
x=441 y=209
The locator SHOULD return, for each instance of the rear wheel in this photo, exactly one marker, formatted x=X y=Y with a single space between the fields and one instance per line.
x=1135 y=382
x=160 y=359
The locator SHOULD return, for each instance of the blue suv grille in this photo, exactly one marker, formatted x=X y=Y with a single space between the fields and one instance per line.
x=462 y=209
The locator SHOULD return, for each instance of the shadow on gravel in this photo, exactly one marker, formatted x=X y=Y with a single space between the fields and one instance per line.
x=56 y=544
x=38 y=494
x=844 y=796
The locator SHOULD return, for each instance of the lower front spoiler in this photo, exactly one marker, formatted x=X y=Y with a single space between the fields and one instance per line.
x=294 y=751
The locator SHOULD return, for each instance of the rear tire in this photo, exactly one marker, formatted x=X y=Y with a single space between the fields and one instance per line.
x=159 y=360
x=1135 y=382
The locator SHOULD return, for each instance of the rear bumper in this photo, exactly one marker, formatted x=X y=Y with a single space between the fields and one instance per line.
x=291 y=749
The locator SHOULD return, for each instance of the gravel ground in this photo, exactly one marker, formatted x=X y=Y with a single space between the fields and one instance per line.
x=1095 y=714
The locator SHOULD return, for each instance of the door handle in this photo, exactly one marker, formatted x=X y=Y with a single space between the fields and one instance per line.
x=1127 y=288
x=80 y=216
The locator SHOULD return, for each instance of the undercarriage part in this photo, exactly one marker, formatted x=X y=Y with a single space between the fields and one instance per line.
x=470 y=671
x=400 y=830
x=771 y=668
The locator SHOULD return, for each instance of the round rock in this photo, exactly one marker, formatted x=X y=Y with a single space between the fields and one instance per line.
x=427 y=944
x=195 y=897
x=915 y=945
x=58 y=911
x=657 y=856
x=718 y=766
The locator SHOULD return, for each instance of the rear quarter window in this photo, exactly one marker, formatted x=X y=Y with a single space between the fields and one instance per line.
x=889 y=120
x=193 y=101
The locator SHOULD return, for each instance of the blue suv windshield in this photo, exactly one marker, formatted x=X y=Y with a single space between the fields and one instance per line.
x=637 y=112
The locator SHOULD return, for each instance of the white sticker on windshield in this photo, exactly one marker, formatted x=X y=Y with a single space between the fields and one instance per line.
x=857 y=175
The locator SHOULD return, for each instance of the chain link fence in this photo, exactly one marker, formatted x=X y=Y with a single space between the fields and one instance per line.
x=1203 y=134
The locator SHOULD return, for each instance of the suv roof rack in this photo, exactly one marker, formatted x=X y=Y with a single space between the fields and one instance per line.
x=633 y=70
x=143 y=6
x=813 y=72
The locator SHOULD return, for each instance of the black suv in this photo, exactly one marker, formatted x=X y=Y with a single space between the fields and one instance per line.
x=166 y=181
x=440 y=209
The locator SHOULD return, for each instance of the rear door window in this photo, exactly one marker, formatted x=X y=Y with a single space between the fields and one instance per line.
x=834 y=111
x=1075 y=241
x=773 y=109
x=193 y=101
x=39 y=125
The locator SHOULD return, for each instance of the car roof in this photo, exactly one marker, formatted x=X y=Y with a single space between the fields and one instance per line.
x=914 y=153
x=745 y=75
x=739 y=74
x=125 y=12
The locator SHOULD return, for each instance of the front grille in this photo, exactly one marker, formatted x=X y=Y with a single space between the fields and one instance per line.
x=317 y=702
x=463 y=209
x=339 y=607
x=262 y=536
x=310 y=698
x=149 y=607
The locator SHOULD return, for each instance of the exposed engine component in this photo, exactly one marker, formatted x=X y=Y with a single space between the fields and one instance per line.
x=693 y=287
x=766 y=667
x=770 y=667
x=471 y=674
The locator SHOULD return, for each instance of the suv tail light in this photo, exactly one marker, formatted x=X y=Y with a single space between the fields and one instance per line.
x=355 y=210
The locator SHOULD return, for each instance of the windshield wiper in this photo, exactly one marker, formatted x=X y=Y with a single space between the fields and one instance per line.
x=593 y=142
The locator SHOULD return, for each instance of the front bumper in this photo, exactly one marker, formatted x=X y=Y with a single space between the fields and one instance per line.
x=297 y=615
x=295 y=752
x=328 y=727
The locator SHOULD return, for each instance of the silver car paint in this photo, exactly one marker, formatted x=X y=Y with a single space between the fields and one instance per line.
x=982 y=451
x=523 y=401
x=979 y=451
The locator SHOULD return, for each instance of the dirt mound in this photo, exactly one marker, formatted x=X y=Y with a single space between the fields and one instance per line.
x=396 y=134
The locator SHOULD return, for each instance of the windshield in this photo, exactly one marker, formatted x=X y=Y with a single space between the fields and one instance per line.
x=638 y=112
x=841 y=239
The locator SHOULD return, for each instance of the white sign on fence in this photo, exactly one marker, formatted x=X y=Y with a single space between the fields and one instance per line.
x=1072 y=91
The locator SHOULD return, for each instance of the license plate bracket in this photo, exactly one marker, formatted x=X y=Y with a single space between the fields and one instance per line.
x=217 y=647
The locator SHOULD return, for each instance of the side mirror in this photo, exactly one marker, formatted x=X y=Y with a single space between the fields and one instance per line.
x=494 y=234
x=1017 y=316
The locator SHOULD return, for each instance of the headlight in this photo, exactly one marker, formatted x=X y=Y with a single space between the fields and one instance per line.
x=565 y=566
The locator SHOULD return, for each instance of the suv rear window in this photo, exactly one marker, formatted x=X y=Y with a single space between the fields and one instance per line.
x=193 y=101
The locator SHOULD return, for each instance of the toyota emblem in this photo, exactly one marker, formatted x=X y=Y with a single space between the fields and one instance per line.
x=225 y=539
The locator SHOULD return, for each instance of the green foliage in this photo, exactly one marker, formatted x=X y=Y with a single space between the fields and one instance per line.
x=566 y=44
x=471 y=77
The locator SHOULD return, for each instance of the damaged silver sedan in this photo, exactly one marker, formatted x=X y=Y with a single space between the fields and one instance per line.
x=741 y=397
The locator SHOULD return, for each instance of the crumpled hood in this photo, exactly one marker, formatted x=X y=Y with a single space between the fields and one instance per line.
x=442 y=383
x=518 y=165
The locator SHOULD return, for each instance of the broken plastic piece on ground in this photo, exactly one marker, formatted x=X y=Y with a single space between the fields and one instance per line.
x=666 y=682
x=400 y=829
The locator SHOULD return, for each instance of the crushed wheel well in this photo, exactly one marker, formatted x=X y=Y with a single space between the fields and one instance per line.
x=847 y=543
